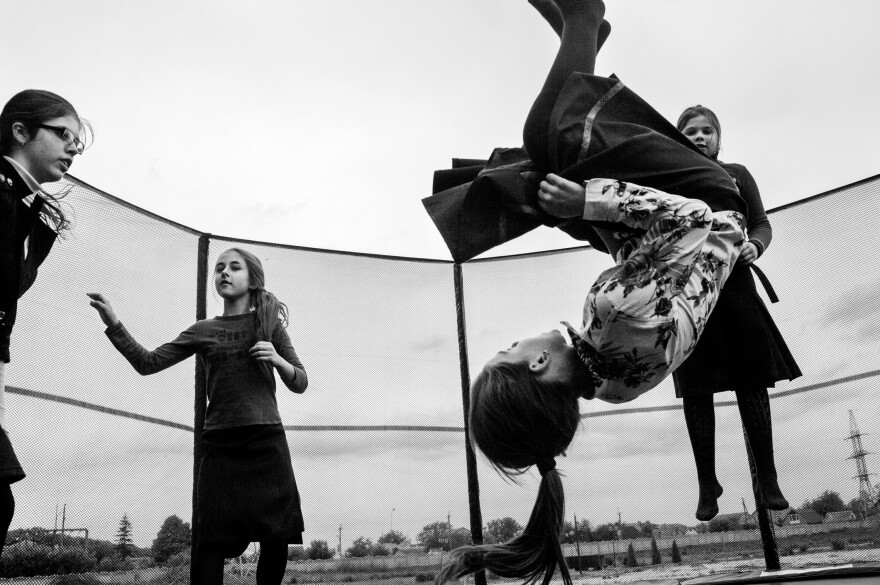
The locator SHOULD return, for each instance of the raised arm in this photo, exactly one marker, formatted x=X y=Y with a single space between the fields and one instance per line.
x=144 y=361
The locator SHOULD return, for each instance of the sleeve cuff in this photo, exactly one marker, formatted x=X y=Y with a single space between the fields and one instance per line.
x=114 y=328
x=759 y=245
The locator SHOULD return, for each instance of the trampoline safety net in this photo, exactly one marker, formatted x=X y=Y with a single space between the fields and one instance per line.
x=377 y=440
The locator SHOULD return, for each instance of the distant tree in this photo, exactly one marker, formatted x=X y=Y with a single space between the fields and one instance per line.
x=319 y=551
x=631 y=560
x=434 y=536
x=461 y=537
x=648 y=528
x=124 y=543
x=828 y=501
x=858 y=506
x=380 y=550
x=392 y=537
x=628 y=531
x=101 y=549
x=720 y=525
x=361 y=547
x=701 y=528
x=174 y=536
x=656 y=559
x=35 y=534
x=606 y=532
x=584 y=533
x=501 y=530
x=676 y=555
x=296 y=553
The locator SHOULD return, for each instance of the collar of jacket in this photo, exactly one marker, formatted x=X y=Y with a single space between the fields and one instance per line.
x=12 y=181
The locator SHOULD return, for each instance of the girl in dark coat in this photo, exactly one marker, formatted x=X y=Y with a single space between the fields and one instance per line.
x=40 y=134
x=741 y=349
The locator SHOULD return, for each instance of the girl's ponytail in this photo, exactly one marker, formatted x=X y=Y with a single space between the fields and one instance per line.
x=533 y=555
x=517 y=421
x=269 y=310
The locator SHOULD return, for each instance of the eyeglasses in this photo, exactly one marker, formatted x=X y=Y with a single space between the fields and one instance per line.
x=65 y=135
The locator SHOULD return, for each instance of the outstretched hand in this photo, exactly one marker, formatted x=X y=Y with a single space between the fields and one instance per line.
x=102 y=305
x=560 y=197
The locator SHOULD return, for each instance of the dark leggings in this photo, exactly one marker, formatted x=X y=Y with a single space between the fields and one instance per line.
x=754 y=409
x=7 y=509
x=577 y=53
x=208 y=562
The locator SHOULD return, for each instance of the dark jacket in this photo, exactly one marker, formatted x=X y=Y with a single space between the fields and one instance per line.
x=18 y=222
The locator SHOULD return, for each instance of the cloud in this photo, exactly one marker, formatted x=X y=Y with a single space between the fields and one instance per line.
x=857 y=310
x=433 y=343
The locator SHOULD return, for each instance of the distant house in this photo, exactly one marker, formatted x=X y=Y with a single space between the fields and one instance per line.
x=404 y=548
x=809 y=516
x=842 y=516
x=792 y=517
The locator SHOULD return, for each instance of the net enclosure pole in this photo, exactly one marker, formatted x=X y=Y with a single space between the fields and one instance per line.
x=200 y=393
x=470 y=457
x=765 y=518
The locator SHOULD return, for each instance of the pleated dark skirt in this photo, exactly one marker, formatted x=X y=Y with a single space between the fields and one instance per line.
x=10 y=468
x=246 y=488
x=741 y=347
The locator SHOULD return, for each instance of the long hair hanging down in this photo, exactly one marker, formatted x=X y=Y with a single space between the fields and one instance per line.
x=518 y=421
x=33 y=107
x=268 y=310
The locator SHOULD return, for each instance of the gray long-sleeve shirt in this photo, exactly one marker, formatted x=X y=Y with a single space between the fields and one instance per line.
x=240 y=389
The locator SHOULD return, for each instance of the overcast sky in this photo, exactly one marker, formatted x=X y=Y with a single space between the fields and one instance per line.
x=319 y=124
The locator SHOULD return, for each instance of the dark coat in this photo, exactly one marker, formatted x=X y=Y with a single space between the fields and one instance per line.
x=599 y=129
x=18 y=222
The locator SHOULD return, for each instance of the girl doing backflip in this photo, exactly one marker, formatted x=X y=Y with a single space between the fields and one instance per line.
x=673 y=221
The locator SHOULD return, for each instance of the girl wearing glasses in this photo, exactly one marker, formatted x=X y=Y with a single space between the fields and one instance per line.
x=40 y=134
